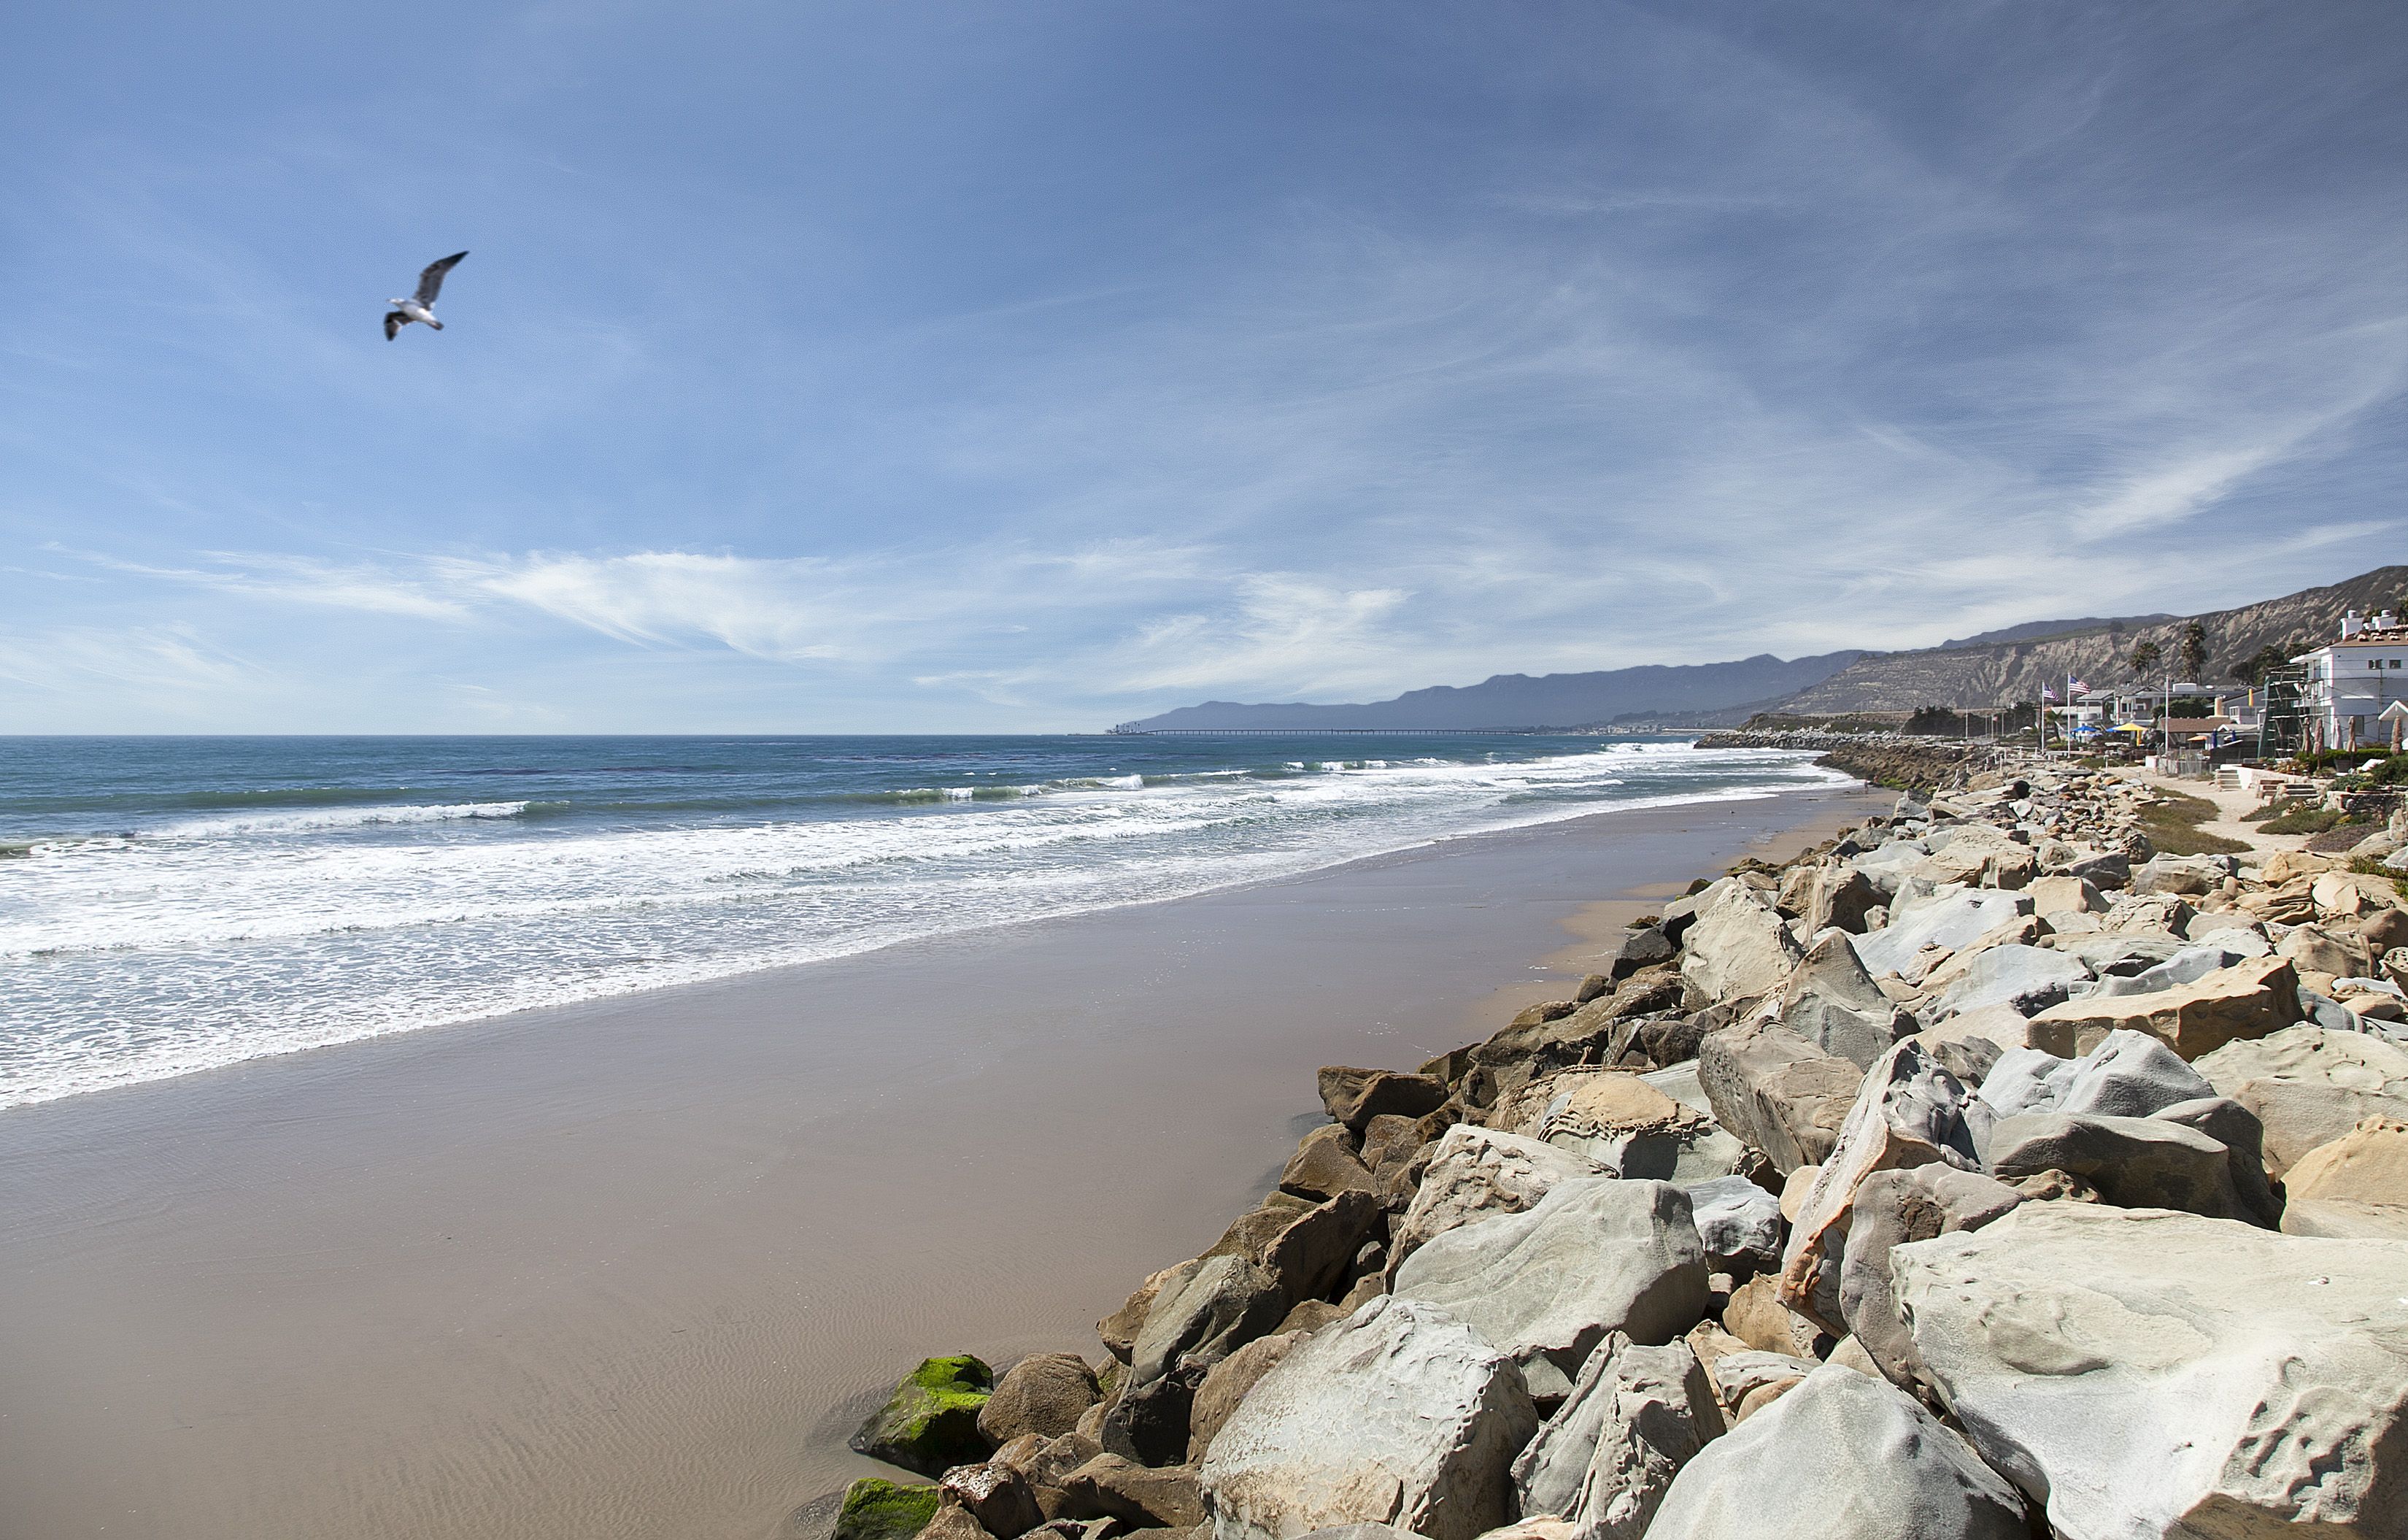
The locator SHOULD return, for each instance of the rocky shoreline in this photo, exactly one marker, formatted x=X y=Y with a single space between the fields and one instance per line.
x=1980 y=1173
x=1900 y=761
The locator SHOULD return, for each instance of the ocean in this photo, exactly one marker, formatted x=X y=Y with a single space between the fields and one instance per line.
x=175 y=904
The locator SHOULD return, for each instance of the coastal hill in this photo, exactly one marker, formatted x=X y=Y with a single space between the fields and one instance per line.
x=2007 y=665
x=2016 y=669
x=1553 y=700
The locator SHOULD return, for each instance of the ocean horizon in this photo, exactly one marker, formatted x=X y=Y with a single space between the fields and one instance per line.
x=177 y=904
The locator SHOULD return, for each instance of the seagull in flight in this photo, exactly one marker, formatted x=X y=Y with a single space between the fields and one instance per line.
x=421 y=306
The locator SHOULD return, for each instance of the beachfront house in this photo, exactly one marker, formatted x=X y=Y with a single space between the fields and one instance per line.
x=2351 y=682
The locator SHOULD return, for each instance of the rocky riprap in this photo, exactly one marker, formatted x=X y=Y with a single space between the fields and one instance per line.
x=1980 y=1173
x=1900 y=761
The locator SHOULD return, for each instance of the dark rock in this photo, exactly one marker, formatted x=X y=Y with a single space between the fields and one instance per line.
x=877 y=1509
x=1148 y=1424
x=1224 y=1304
x=1324 y=1165
x=1310 y=1257
x=1388 y=1132
x=1255 y=1228
x=1354 y=1097
x=1592 y=987
x=2238 y=1129
x=2103 y=872
x=931 y=1422
x=1119 y=1329
x=2134 y=1162
x=1640 y=949
x=1449 y=1066
x=1042 y=1394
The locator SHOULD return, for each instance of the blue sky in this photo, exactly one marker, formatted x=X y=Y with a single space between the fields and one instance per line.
x=992 y=367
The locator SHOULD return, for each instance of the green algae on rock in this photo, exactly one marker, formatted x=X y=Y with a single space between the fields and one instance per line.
x=931 y=1422
x=878 y=1509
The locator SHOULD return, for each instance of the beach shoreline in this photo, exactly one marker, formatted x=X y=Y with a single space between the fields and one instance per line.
x=633 y=1266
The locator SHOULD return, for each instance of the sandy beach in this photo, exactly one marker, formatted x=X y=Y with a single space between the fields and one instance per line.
x=635 y=1268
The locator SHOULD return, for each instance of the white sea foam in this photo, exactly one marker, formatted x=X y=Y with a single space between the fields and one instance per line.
x=228 y=938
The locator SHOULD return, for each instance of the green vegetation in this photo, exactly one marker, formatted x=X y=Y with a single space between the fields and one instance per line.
x=931 y=1424
x=2366 y=865
x=2191 y=652
x=875 y=1509
x=2172 y=826
x=2190 y=705
x=2145 y=656
x=2305 y=820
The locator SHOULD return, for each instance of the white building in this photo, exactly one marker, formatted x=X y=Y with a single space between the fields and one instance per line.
x=2351 y=681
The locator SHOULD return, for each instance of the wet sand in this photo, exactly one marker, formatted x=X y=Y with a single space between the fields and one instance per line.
x=634 y=1269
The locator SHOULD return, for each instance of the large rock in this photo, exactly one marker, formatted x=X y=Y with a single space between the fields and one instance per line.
x=1890 y=1209
x=2309 y=1086
x=1738 y=948
x=1840 y=1457
x=1605 y=1460
x=994 y=1494
x=1739 y=1222
x=2249 y=999
x=1629 y=1127
x=1354 y=1097
x=2128 y=1074
x=2184 y=874
x=877 y=1509
x=1227 y=1302
x=1908 y=1113
x=1594 y=1255
x=931 y=1422
x=1043 y=1394
x=1480 y=1173
x=1833 y=1003
x=1325 y=1164
x=1401 y=1415
x=1776 y=1092
x=1838 y=895
x=1977 y=856
x=2188 y=966
x=2154 y=1374
x=2367 y=1165
x=1225 y=1385
x=1311 y=1255
x=2133 y=1162
x=2316 y=950
x=1949 y=920
x=2028 y=978
x=2064 y=895
x=1140 y=1497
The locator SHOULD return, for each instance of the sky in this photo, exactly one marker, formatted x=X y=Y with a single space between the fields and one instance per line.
x=995 y=366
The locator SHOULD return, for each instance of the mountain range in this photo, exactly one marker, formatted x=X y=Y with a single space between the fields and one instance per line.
x=1992 y=668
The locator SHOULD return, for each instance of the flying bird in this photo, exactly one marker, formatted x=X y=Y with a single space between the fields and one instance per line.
x=421 y=306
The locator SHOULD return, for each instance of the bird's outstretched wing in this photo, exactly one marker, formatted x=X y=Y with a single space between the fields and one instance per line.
x=394 y=321
x=430 y=282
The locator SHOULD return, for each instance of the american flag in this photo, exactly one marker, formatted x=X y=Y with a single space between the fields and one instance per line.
x=2077 y=687
x=2048 y=694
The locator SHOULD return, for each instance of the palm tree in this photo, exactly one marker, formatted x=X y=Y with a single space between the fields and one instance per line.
x=2194 y=650
x=2145 y=656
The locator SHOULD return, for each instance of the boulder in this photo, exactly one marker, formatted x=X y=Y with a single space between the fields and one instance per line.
x=1311 y=1255
x=878 y=1509
x=1890 y=1209
x=1399 y=1414
x=1909 y=1112
x=1479 y=1174
x=2027 y=979
x=1325 y=1164
x=2317 y=950
x=1643 y=947
x=1594 y=1255
x=1354 y=1097
x=2155 y=1373
x=2133 y=1162
x=2350 y=894
x=931 y=1422
x=1833 y=1003
x=2184 y=874
x=1251 y=1231
x=1119 y=1329
x=1977 y=856
x=1739 y=1222
x=1227 y=1302
x=1950 y=918
x=1776 y=1092
x=2106 y=872
x=1225 y=1385
x=1738 y=948
x=2064 y=895
x=1628 y=1128
x=2285 y=866
x=2367 y=1165
x=2188 y=966
x=2247 y=1000
x=1740 y=1377
x=1042 y=1394
x=1139 y=1496
x=1604 y=1460
x=2309 y=1086
x=1755 y=1316
x=2128 y=1074
x=1146 y=1422
x=2342 y=1221
x=1838 y=897
x=994 y=1494
x=1840 y=1457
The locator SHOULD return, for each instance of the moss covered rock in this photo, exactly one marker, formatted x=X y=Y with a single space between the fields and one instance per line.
x=931 y=1422
x=883 y=1510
